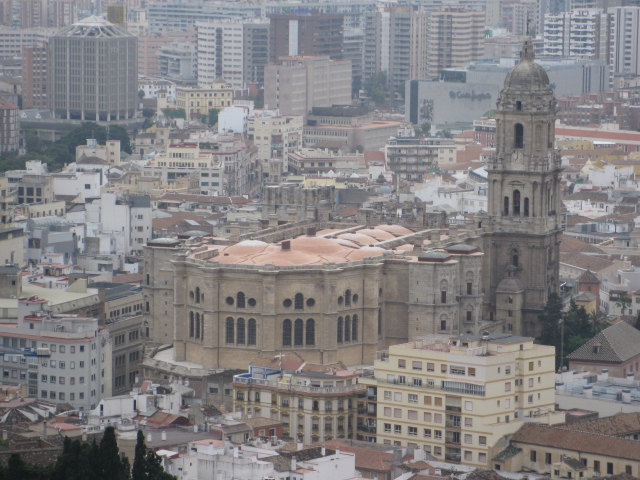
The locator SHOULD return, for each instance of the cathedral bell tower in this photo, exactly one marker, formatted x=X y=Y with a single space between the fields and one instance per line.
x=522 y=240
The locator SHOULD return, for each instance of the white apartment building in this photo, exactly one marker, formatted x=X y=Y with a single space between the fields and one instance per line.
x=235 y=50
x=579 y=33
x=78 y=371
x=13 y=39
x=625 y=40
x=109 y=152
x=151 y=86
x=186 y=159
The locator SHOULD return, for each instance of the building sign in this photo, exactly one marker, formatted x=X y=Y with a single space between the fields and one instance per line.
x=471 y=96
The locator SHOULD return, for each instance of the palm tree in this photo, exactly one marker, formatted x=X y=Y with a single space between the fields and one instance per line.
x=623 y=303
x=598 y=321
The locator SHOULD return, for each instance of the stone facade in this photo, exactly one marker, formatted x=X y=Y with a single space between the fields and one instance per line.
x=523 y=218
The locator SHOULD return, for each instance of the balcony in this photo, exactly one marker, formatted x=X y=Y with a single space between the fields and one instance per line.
x=240 y=379
x=366 y=428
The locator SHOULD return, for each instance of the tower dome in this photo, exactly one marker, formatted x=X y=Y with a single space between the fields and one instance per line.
x=527 y=76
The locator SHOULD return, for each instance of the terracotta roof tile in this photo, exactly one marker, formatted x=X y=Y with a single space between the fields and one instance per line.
x=572 y=440
x=366 y=458
x=594 y=262
x=617 y=343
x=616 y=425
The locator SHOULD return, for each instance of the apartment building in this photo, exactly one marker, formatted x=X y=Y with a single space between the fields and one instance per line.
x=78 y=371
x=273 y=134
x=314 y=402
x=177 y=63
x=456 y=397
x=411 y=158
x=149 y=45
x=197 y=101
x=236 y=51
x=296 y=84
x=580 y=33
x=9 y=127
x=625 y=40
x=396 y=43
x=13 y=39
x=454 y=38
x=34 y=76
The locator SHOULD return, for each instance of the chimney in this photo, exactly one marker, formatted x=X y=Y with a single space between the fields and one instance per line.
x=560 y=387
x=453 y=232
x=236 y=452
x=311 y=232
x=149 y=437
x=604 y=375
x=294 y=464
x=324 y=450
x=587 y=391
x=286 y=245
x=626 y=395
x=630 y=377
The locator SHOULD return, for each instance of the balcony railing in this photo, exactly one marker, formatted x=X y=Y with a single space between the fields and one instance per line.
x=298 y=388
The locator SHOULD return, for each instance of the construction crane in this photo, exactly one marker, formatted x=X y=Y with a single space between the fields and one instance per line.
x=41 y=354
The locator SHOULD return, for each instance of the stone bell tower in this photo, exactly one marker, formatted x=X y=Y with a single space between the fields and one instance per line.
x=522 y=241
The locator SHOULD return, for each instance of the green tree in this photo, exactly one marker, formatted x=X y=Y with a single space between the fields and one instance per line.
x=175 y=113
x=213 y=116
x=141 y=94
x=32 y=141
x=423 y=130
x=637 y=322
x=111 y=466
x=154 y=468
x=139 y=471
x=376 y=87
x=549 y=321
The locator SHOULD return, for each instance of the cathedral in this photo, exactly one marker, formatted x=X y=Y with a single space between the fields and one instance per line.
x=523 y=220
x=338 y=291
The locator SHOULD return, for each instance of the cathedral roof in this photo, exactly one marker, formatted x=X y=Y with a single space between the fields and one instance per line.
x=510 y=285
x=527 y=76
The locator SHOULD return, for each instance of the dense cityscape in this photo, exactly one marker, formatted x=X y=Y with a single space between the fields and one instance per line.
x=319 y=240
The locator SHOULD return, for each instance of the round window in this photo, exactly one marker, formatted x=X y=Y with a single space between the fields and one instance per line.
x=252 y=302
x=340 y=300
x=287 y=302
x=310 y=302
x=229 y=300
x=355 y=298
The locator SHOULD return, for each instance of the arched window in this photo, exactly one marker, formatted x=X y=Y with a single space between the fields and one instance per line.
x=516 y=202
x=310 y=332
x=505 y=208
x=550 y=136
x=347 y=298
x=518 y=136
x=299 y=301
x=514 y=260
x=201 y=325
x=526 y=206
x=191 y=295
x=347 y=328
x=197 y=294
x=241 y=332
x=518 y=105
x=286 y=333
x=191 y=325
x=251 y=332
x=379 y=321
x=469 y=314
x=340 y=327
x=354 y=328
x=230 y=334
x=240 y=303
x=298 y=330
x=197 y=335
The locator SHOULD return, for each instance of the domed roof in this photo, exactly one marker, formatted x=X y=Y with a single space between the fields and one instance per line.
x=462 y=248
x=163 y=241
x=510 y=285
x=195 y=233
x=527 y=76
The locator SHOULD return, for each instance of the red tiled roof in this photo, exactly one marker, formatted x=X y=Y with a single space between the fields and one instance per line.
x=366 y=458
x=575 y=441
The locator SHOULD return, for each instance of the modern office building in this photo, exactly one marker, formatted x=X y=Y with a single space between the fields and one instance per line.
x=296 y=84
x=456 y=397
x=454 y=38
x=236 y=51
x=93 y=72
x=396 y=43
x=306 y=34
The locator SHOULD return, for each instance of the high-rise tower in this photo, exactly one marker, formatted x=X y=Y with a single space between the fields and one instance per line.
x=523 y=219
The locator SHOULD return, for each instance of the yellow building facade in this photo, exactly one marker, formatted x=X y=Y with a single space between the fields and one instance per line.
x=456 y=397
x=198 y=101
